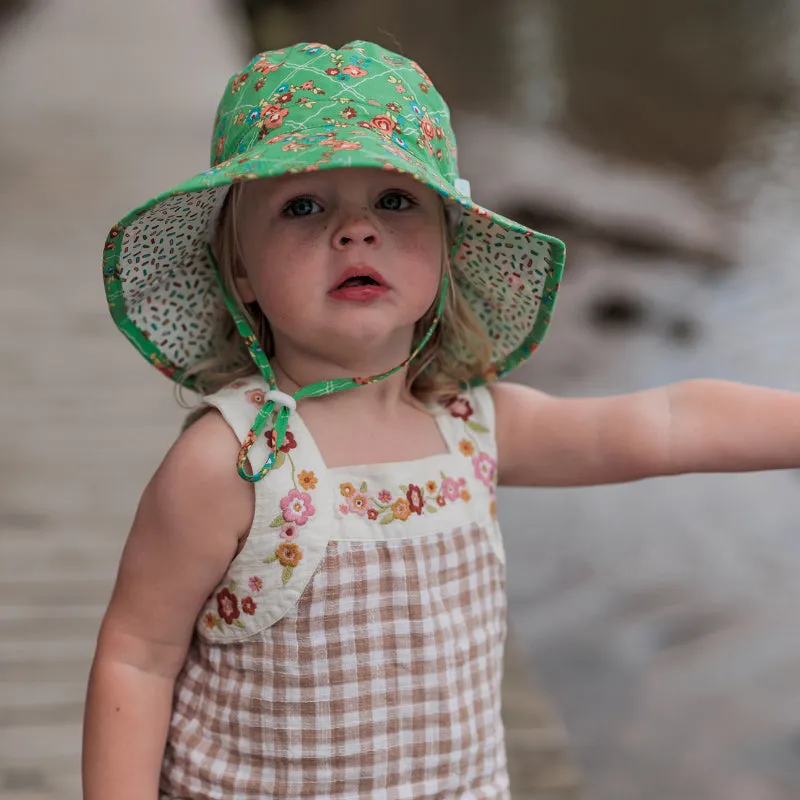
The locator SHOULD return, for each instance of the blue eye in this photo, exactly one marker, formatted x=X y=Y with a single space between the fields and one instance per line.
x=396 y=201
x=300 y=207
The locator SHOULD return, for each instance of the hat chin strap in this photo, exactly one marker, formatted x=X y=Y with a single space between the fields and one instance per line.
x=281 y=405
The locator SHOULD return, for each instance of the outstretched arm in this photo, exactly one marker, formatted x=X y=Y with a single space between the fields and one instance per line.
x=693 y=426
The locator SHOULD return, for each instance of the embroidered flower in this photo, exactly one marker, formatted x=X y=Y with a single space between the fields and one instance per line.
x=431 y=487
x=415 y=500
x=297 y=507
x=290 y=532
x=401 y=509
x=289 y=554
x=210 y=620
x=354 y=72
x=440 y=500
x=484 y=466
x=385 y=496
x=349 y=112
x=459 y=407
x=465 y=495
x=372 y=513
x=384 y=123
x=256 y=397
x=332 y=71
x=308 y=480
x=466 y=447
x=493 y=508
x=249 y=606
x=227 y=605
x=344 y=508
x=450 y=489
x=256 y=584
x=359 y=503
x=347 y=489
x=289 y=442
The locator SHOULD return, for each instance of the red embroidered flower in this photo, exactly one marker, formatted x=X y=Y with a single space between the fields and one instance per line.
x=289 y=442
x=427 y=128
x=272 y=116
x=249 y=606
x=415 y=501
x=459 y=407
x=227 y=606
x=349 y=112
x=285 y=98
x=440 y=500
x=331 y=71
x=372 y=513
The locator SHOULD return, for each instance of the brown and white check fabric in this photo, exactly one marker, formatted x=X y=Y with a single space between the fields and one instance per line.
x=382 y=681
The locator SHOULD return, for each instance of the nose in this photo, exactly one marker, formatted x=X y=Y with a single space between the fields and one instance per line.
x=354 y=229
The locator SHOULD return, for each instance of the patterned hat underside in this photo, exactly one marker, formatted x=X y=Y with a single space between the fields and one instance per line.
x=171 y=295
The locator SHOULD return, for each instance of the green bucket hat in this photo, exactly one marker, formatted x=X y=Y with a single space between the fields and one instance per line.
x=313 y=107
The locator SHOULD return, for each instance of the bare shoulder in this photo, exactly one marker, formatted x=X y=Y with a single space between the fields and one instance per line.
x=186 y=531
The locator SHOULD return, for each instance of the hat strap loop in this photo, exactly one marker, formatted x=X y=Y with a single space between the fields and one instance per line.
x=281 y=404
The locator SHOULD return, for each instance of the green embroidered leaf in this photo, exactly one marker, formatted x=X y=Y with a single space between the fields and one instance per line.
x=232 y=586
x=278 y=522
x=431 y=508
x=403 y=487
x=286 y=574
x=218 y=623
x=477 y=427
x=363 y=488
x=270 y=559
x=386 y=519
x=280 y=460
x=239 y=624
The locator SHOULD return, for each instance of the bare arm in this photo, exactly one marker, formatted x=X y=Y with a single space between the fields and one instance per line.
x=183 y=538
x=694 y=426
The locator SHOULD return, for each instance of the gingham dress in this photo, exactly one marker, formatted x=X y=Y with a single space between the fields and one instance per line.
x=354 y=647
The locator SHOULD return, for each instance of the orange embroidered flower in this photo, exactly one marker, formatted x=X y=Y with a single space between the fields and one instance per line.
x=466 y=447
x=359 y=503
x=308 y=480
x=289 y=554
x=493 y=509
x=431 y=487
x=401 y=509
x=347 y=489
x=210 y=620
x=256 y=397
x=465 y=495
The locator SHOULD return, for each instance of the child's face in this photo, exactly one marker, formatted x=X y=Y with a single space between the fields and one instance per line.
x=341 y=258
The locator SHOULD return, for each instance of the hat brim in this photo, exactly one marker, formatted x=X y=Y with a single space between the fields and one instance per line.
x=164 y=297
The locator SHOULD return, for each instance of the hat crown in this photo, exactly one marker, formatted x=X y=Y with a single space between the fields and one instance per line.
x=312 y=94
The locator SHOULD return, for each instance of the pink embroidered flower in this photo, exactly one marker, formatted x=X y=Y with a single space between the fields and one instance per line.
x=459 y=407
x=307 y=85
x=344 y=508
x=384 y=495
x=450 y=489
x=249 y=606
x=354 y=72
x=359 y=503
x=415 y=501
x=485 y=467
x=227 y=606
x=297 y=507
x=289 y=532
x=256 y=584
x=342 y=145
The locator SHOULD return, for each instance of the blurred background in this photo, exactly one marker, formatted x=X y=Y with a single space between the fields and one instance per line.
x=655 y=651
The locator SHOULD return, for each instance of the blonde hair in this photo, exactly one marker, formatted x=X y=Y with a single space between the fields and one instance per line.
x=458 y=351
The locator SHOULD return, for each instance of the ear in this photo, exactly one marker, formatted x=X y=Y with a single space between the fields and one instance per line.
x=244 y=288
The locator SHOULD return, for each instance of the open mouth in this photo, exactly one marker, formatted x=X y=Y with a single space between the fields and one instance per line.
x=359 y=280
